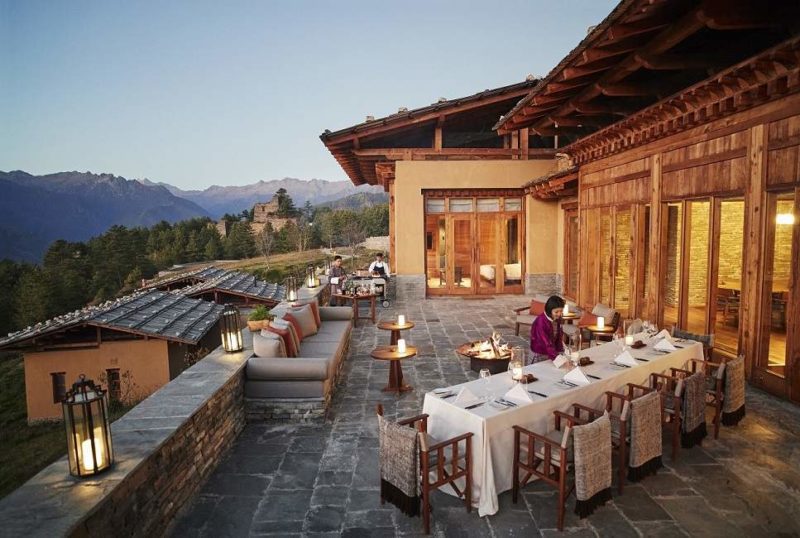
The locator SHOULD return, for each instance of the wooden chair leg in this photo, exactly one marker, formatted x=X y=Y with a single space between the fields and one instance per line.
x=562 y=486
x=426 y=508
x=623 y=467
x=468 y=488
x=516 y=331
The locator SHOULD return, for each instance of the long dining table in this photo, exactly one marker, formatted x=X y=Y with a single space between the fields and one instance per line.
x=492 y=425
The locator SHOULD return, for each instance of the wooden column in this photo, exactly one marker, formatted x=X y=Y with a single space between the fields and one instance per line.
x=437 y=138
x=654 y=300
x=392 y=259
x=523 y=144
x=755 y=205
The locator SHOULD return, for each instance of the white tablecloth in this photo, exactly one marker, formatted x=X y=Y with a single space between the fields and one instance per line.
x=492 y=444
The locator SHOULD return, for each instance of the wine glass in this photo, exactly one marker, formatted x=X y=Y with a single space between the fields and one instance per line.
x=485 y=374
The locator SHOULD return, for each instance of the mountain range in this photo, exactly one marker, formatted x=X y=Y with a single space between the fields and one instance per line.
x=37 y=210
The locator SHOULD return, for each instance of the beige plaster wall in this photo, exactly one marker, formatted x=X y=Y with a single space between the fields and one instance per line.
x=146 y=360
x=413 y=176
x=543 y=224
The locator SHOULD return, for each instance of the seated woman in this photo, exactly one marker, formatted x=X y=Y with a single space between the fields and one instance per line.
x=379 y=267
x=546 y=334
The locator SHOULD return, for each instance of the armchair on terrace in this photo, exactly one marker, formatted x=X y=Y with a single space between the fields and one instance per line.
x=525 y=315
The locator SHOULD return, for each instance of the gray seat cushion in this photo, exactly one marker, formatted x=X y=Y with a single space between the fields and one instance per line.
x=525 y=319
x=290 y=368
x=287 y=389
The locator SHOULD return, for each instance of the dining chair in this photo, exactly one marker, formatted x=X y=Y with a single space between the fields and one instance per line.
x=715 y=377
x=547 y=457
x=706 y=339
x=733 y=404
x=618 y=408
x=671 y=391
x=440 y=463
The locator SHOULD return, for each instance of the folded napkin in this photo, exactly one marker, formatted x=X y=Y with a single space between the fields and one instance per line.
x=626 y=358
x=664 y=345
x=518 y=394
x=466 y=396
x=664 y=334
x=560 y=360
x=334 y=280
x=577 y=376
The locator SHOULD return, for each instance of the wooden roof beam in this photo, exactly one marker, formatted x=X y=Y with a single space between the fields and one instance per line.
x=688 y=25
x=678 y=62
x=624 y=90
x=744 y=14
x=593 y=108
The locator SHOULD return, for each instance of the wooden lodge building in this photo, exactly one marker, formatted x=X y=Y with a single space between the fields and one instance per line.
x=132 y=345
x=655 y=169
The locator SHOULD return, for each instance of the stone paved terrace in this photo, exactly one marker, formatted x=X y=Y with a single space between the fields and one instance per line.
x=309 y=480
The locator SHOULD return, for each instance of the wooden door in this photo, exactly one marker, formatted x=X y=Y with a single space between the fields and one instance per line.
x=461 y=277
x=489 y=266
x=777 y=366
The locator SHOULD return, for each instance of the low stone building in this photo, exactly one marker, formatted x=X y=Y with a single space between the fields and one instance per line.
x=132 y=346
x=263 y=213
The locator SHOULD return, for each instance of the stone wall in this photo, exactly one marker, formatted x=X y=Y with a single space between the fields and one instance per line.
x=410 y=287
x=165 y=448
x=544 y=283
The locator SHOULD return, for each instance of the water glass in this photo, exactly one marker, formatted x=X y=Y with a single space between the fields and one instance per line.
x=485 y=374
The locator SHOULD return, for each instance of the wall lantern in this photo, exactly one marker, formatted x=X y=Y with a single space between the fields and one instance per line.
x=784 y=218
x=231 y=329
x=312 y=280
x=85 y=410
x=291 y=288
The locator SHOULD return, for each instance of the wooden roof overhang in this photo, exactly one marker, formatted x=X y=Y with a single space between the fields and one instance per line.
x=771 y=75
x=644 y=51
x=555 y=185
x=355 y=149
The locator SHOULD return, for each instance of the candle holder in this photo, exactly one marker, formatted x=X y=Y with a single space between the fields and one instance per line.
x=401 y=319
x=291 y=288
x=601 y=322
x=517 y=363
x=89 y=448
x=312 y=281
x=401 y=345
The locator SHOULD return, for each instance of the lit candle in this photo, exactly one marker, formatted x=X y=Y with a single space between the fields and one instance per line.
x=401 y=319
x=401 y=346
x=629 y=340
x=601 y=322
x=516 y=373
x=566 y=309
x=88 y=457
x=575 y=357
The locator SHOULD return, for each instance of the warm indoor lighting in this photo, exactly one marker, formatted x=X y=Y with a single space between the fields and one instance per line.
x=566 y=310
x=88 y=432
x=231 y=329
x=401 y=319
x=601 y=322
x=401 y=346
x=516 y=363
x=291 y=288
x=784 y=218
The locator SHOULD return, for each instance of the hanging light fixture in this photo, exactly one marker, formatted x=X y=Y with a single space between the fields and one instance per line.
x=312 y=281
x=231 y=329
x=291 y=288
x=88 y=432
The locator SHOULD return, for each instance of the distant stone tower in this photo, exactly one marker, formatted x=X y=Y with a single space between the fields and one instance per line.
x=263 y=213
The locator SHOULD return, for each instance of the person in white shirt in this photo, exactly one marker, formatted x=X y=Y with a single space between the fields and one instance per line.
x=379 y=266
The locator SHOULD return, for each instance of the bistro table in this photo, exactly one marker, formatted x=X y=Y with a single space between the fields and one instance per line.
x=395 y=328
x=354 y=299
x=493 y=440
x=390 y=353
x=599 y=331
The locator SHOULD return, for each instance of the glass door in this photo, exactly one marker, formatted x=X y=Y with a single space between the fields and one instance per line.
x=623 y=243
x=436 y=254
x=571 y=243
x=671 y=284
x=511 y=253
x=778 y=358
x=729 y=250
x=460 y=274
x=695 y=258
x=490 y=272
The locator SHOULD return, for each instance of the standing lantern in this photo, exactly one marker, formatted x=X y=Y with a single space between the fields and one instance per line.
x=85 y=410
x=231 y=329
x=291 y=288
x=312 y=281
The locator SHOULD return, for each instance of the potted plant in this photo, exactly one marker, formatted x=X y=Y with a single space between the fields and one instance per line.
x=259 y=318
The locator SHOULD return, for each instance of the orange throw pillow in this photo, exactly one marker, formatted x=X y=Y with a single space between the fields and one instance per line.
x=298 y=330
x=288 y=342
x=537 y=308
x=587 y=319
x=315 y=311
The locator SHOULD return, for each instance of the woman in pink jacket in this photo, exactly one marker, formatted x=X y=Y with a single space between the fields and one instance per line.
x=546 y=334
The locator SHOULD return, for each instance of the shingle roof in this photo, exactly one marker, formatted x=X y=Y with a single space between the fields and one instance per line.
x=235 y=283
x=150 y=313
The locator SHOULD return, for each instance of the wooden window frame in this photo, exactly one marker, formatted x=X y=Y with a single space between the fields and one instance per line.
x=58 y=381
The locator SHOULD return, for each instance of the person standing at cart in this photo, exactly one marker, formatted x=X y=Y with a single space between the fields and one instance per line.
x=337 y=272
x=379 y=266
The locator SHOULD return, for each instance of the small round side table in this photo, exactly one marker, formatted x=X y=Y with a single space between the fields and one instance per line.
x=390 y=353
x=599 y=331
x=395 y=328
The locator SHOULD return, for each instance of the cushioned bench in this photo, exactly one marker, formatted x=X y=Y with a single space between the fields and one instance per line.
x=311 y=375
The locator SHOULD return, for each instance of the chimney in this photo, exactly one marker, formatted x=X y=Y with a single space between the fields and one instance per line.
x=402 y=109
x=370 y=118
x=530 y=78
x=442 y=100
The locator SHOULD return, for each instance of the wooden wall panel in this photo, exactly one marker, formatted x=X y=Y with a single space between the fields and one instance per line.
x=707 y=149
x=783 y=166
x=622 y=172
x=720 y=177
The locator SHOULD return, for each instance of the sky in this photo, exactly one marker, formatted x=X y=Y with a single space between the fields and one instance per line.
x=199 y=93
